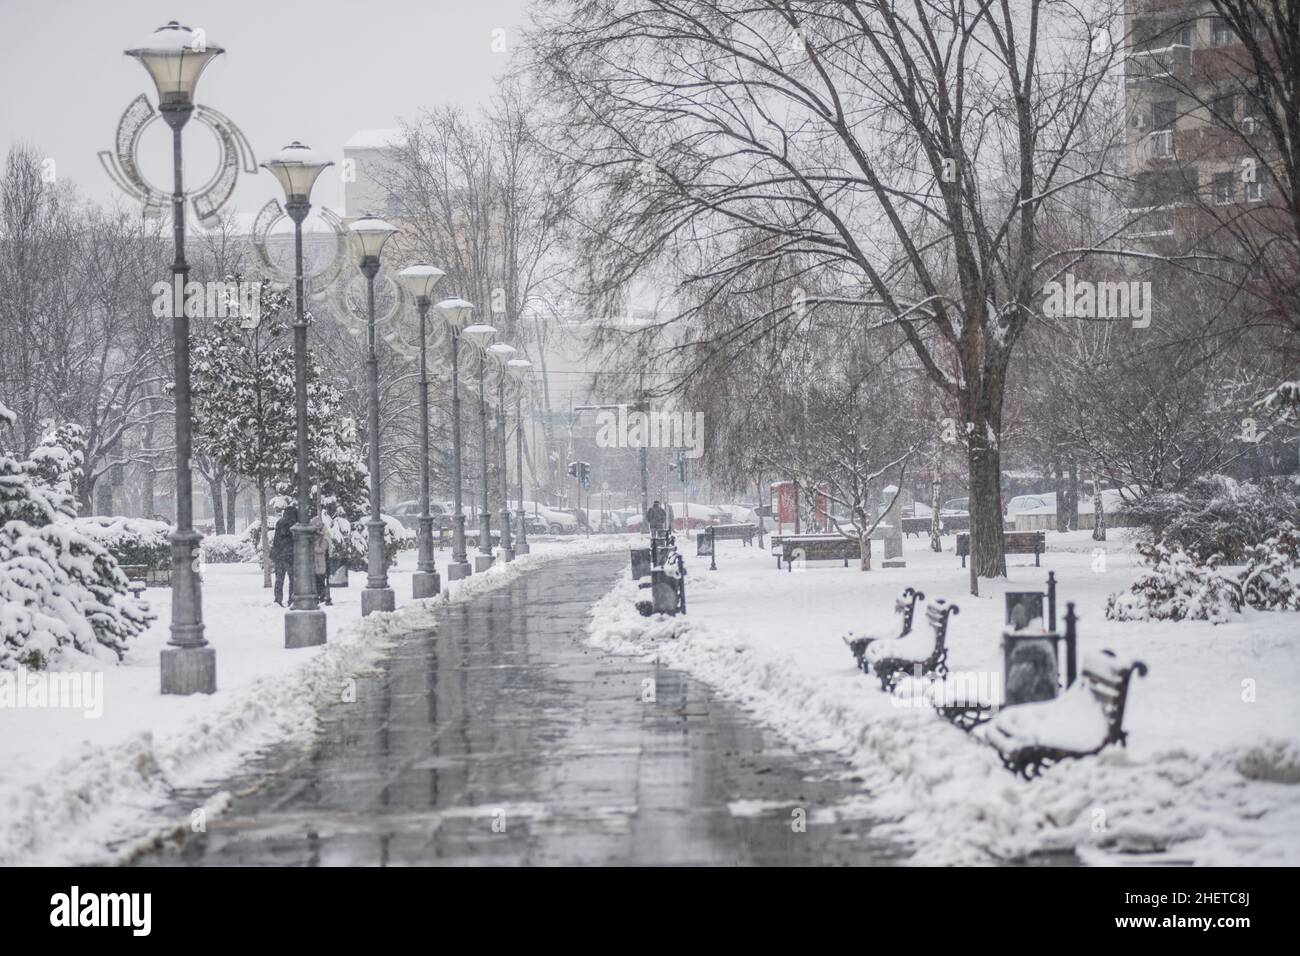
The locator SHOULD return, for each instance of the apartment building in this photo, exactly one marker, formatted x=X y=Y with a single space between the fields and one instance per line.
x=1197 y=148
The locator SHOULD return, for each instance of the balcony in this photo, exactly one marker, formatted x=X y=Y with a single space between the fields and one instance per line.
x=1163 y=64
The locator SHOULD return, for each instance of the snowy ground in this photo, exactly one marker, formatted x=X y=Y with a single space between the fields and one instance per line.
x=1208 y=776
x=73 y=784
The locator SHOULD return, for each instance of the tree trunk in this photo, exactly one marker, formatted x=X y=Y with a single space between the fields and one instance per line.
x=1072 y=495
x=936 y=540
x=864 y=546
x=1062 y=500
x=1098 y=513
x=232 y=498
x=263 y=537
x=987 y=557
x=216 y=489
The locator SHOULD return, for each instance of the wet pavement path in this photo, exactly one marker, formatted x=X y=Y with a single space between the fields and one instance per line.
x=501 y=737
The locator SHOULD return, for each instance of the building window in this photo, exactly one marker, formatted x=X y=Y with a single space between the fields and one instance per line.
x=1223 y=110
x=1220 y=32
x=1256 y=191
x=1225 y=192
x=1163 y=114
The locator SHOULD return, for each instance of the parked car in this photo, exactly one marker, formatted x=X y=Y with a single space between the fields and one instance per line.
x=1022 y=503
x=956 y=506
x=408 y=512
x=557 y=521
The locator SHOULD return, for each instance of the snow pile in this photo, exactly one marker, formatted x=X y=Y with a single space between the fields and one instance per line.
x=63 y=599
x=1209 y=774
x=79 y=791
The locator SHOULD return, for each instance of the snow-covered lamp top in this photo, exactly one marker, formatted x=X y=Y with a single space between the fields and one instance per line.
x=420 y=279
x=480 y=335
x=455 y=312
x=297 y=168
x=519 y=368
x=370 y=233
x=175 y=55
x=501 y=352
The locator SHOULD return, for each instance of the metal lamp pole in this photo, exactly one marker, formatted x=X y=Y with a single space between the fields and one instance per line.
x=175 y=56
x=297 y=168
x=371 y=233
x=501 y=353
x=419 y=280
x=456 y=313
x=519 y=369
x=482 y=336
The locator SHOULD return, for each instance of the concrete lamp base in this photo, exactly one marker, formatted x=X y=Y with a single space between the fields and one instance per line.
x=377 y=599
x=521 y=548
x=425 y=584
x=893 y=563
x=457 y=572
x=482 y=562
x=304 y=628
x=507 y=554
x=189 y=670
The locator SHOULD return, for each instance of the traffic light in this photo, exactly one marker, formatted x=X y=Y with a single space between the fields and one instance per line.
x=584 y=474
x=573 y=469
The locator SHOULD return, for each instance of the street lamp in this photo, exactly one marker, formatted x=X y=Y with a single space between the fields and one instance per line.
x=520 y=370
x=297 y=168
x=501 y=353
x=481 y=337
x=419 y=280
x=370 y=234
x=456 y=313
x=175 y=56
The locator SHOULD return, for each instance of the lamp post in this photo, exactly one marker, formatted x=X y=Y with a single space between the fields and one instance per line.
x=501 y=353
x=370 y=234
x=482 y=336
x=174 y=57
x=297 y=167
x=519 y=370
x=419 y=280
x=456 y=313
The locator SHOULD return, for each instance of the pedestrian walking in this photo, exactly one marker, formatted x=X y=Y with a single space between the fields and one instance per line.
x=655 y=516
x=282 y=553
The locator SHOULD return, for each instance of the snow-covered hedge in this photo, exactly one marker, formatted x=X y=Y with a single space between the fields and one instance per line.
x=61 y=592
x=1176 y=588
x=1218 y=515
x=227 y=549
x=350 y=540
x=130 y=540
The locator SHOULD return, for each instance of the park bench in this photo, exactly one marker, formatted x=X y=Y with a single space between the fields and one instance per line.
x=904 y=605
x=136 y=577
x=1080 y=723
x=723 y=532
x=815 y=547
x=919 y=526
x=1014 y=542
x=915 y=653
x=962 y=700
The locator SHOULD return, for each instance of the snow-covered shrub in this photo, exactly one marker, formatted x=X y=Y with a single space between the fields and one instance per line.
x=61 y=592
x=1217 y=515
x=349 y=540
x=1271 y=580
x=227 y=549
x=130 y=540
x=1176 y=588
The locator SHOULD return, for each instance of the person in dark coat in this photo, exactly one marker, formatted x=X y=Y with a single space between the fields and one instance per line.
x=655 y=516
x=282 y=552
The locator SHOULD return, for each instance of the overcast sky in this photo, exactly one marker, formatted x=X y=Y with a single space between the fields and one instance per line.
x=313 y=70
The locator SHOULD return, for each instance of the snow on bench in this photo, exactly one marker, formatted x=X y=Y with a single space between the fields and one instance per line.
x=1081 y=722
x=926 y=653
x=904 y=605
